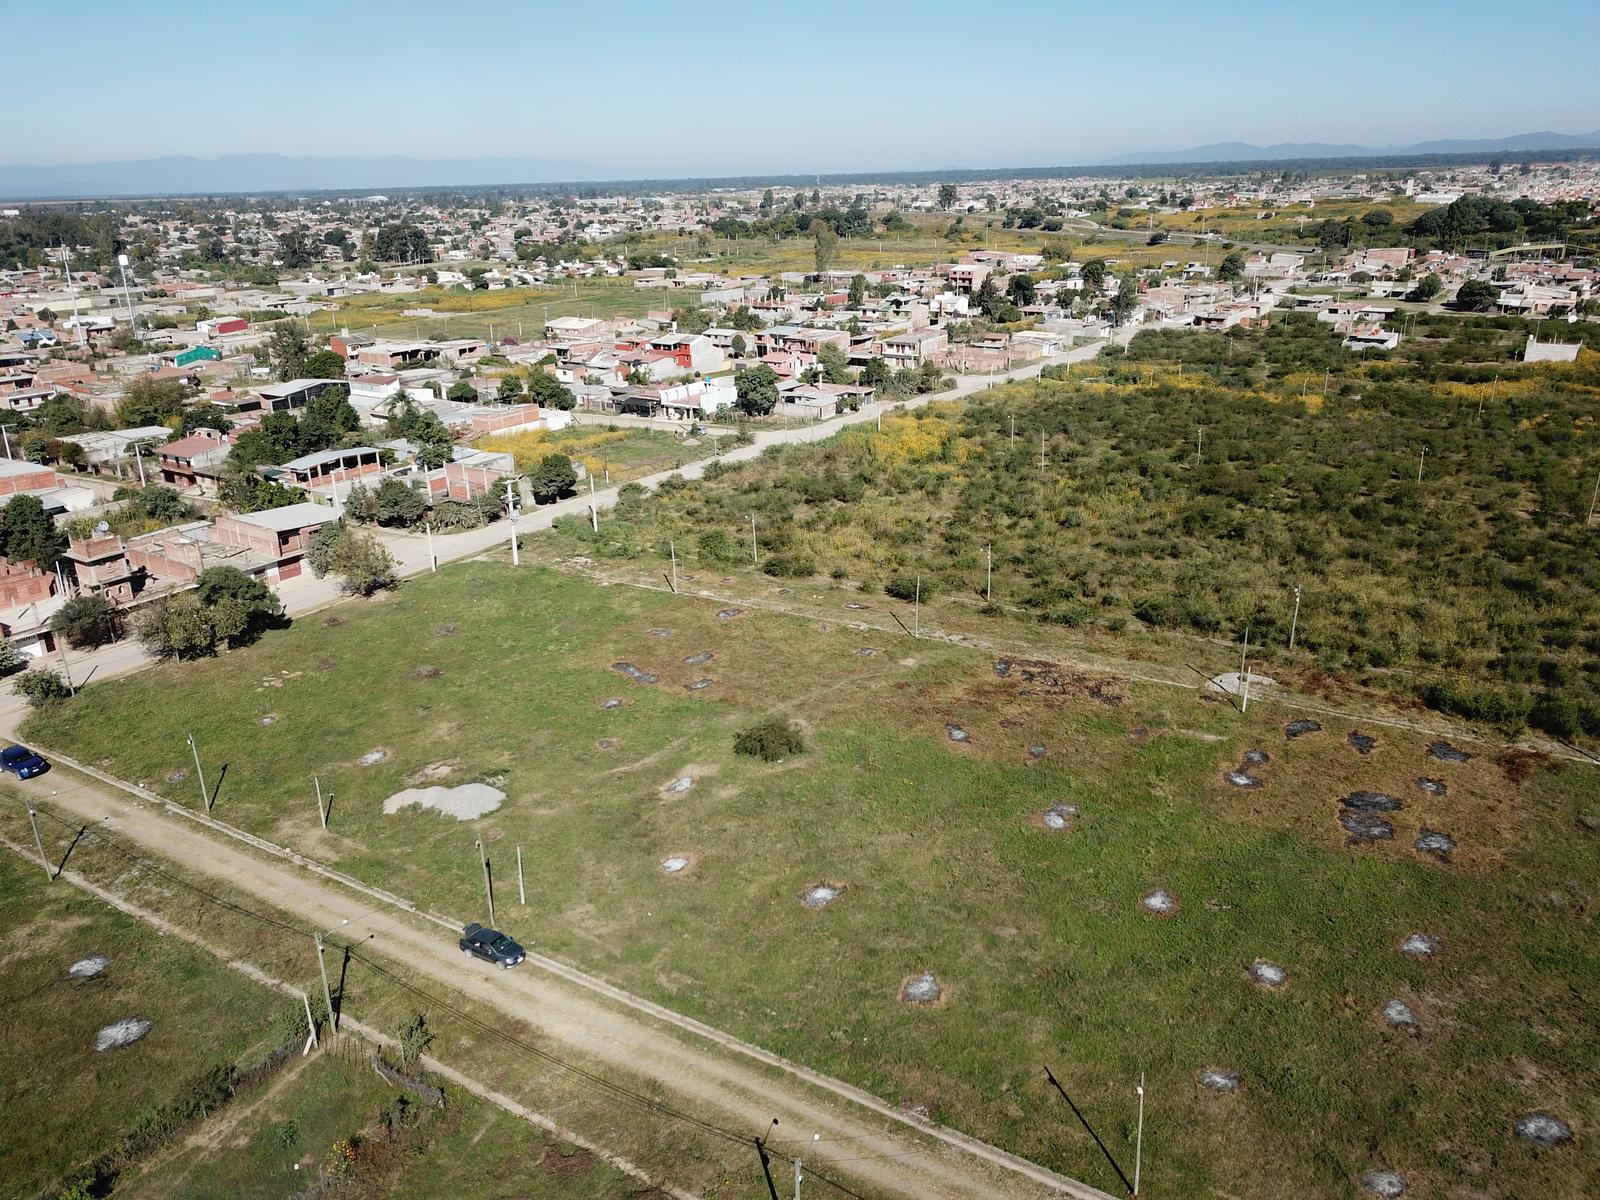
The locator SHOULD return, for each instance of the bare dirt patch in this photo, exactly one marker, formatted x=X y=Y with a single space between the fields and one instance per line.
x=675 y=866
x=1269 y=976
x=89 y=968
x=1039 y=677
x=433 y=772
x=1159 y=902
x=445 y=631
x=122 y=1033
x=464 y=802
x=566 y=1162
x=923 y=989
x=820 y=895
x=373 y=757
x=426 y=672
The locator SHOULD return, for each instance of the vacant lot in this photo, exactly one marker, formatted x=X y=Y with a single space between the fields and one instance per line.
x=925 y=795
x=614 y=454
x=66 y=1102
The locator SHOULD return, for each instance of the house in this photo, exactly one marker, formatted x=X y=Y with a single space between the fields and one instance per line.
x=101 y=565
x=1372 y=337
x=196 y=354
x=17 y=477
x=967 y=278
x=113 y=447
x=690 y=352
x=327 y=467
x=294 y=393
x=573 y=329
x=800 y=340
x=277 y=537
x=905 y=350
x=195 y=461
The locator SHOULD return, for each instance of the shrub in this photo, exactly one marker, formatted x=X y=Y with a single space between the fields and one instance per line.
x=87 y=622
x=770 y=741
x=1508 y=710
x=42 y=687
x=792 y=564
x=909 y=588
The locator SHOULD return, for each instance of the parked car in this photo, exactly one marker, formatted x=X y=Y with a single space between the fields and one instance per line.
x=492 y=946
x=22 y=762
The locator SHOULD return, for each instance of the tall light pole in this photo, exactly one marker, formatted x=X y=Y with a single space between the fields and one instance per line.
x=1138 y=1141
x=1244 y=673
x=200 y=773
x=988 y=587
x=127 y=292
x=1294 y=620
x=755 y=556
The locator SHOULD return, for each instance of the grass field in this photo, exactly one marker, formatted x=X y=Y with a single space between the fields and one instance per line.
x=1036 y=935
x=66 y=1103
x=274 y=1144
x=614 y=454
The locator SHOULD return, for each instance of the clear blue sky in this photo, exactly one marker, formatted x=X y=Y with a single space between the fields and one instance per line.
x=625 y=89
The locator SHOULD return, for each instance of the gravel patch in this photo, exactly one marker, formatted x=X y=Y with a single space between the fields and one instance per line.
x=1257 y=758
x=611 y=702
x=729 y=614
x=1368 y=802
x=122 y=1033
x=269 y=719
x=1301 y=727
x=177 y=776
x=694 y=660
x=1445 y=752
x=1431 y=841
x=1397 y=1014
x=1214 y=1080
x=676 y=864
x=464 y=802
x=445 y=631
x=1419 y=945
x=1268 y=975
x=1365 y=827
x=1545 y=1130
x=699 y=685
x=956 y=733
x=1241 y=779
x=634 y=673
x=1037 y=752
x=678 y=786
x=662 y=632
x=1434 y=787
x=373 y=757
x=855 y=605
x=1385 y=1183
x=922 y=989
x=868 y=652
x=1159 y=902
x=820 y=895
x=88 y=968
x=1362 y=743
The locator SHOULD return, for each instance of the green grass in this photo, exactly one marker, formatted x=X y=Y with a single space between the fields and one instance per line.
x=1037 y=938
x=66 y=1104
x=273 y=1144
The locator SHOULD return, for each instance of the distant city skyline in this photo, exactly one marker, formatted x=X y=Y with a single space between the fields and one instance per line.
x=716 y=89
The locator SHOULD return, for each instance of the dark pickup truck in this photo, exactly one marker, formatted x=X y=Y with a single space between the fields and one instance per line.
x=492 y=946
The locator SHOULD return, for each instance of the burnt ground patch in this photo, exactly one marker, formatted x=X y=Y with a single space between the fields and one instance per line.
x=1361 y=743
x=1039 y=677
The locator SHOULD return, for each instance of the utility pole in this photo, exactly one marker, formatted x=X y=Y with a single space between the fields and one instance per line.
x=1294 y=620
x=1244 y=673
x=522 y=892
x=766 y=1163
x=139 y=458
x=916 y=610
x=311 y=1024
x=988 y=587
x=488 y=886
x=327 y=995
x=1199 y=444
x=1420 y=460
x=433 y=562
x=322 y=809
x=754 y=555
x=1595 y=496
x=39 y=842
x=1138 y=1141
x=672 y=550
x=200 y=773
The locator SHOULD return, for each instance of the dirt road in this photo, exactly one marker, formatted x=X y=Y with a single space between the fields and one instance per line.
x=739 y=1087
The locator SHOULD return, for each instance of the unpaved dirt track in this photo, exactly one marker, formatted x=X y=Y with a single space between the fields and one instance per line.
x=886 y=1154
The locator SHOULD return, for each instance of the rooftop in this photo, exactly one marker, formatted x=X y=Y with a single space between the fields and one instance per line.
x=292 y=516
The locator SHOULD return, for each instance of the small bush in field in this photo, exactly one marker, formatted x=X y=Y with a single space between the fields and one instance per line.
x=770 y=741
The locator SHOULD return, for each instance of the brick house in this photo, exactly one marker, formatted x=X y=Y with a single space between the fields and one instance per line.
x=279 y=536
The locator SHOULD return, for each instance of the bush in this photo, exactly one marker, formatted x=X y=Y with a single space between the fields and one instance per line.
x=906 y=587
x=770 y=741
x=87 y=622
x=793 y=564
x=1508 y=710
x=42 y=687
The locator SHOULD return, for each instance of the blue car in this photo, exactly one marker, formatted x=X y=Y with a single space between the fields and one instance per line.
x=22 y=762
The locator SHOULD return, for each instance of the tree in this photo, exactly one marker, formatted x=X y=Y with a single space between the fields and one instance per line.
x=947 y=196
x=771 y=740
x=413 y=1039
x=287 y=350
x=639 y=376
x=11 y=659
x=358 y=558
x=1428 y=287
x=147 y=401
x=833 y=364
x=552 y=478
x=1125 y=301
x=738 y=345
x=247 y=492
x=510 y=389
x=396 y=504
x=324 y=364
x=1231 y=267
x=177 y=627
x=1021 y=290
x=1476 y=296
x=858 y=290
x=27 y=534
x=1378 y=218
x=462 y=392
x=545 y=390
x=87 y=622
x=876 y=374
x=757 y=391
x=826 y=246
x=154 y=503
x=238 y=605
x=295 y=248
x=42 y=687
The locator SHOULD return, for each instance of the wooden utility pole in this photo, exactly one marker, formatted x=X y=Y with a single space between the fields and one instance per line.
x=327 y=995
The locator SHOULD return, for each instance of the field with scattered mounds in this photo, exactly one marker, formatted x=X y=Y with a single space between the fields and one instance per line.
x=984 y=862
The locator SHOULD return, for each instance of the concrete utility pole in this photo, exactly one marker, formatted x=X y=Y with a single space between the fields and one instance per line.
x=522 y=892
x=200 y=773
x=38 y=841
x=1244 y=672
x=127 y=292
x=672 y=550
x=755 y=556
x=1138 y=1141
x=488 y=886
x=139 y=458
x=433 y=561
x=1294 y=620
x=327 y=994
x=1420 y=460
x=322 y=809
x=1595 y=496
x=988 y=587
x=916 y=610
x=1199 y=444
x=311 y=1024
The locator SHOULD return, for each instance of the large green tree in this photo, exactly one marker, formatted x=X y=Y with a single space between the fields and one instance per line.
x=28 y=534
x=552 y=478
x=757 y=391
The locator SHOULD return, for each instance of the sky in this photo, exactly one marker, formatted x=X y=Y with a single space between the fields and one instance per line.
x=625 y=89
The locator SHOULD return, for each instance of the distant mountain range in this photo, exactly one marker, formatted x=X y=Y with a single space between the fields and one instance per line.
x=1245 y=152
x=183 y=175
